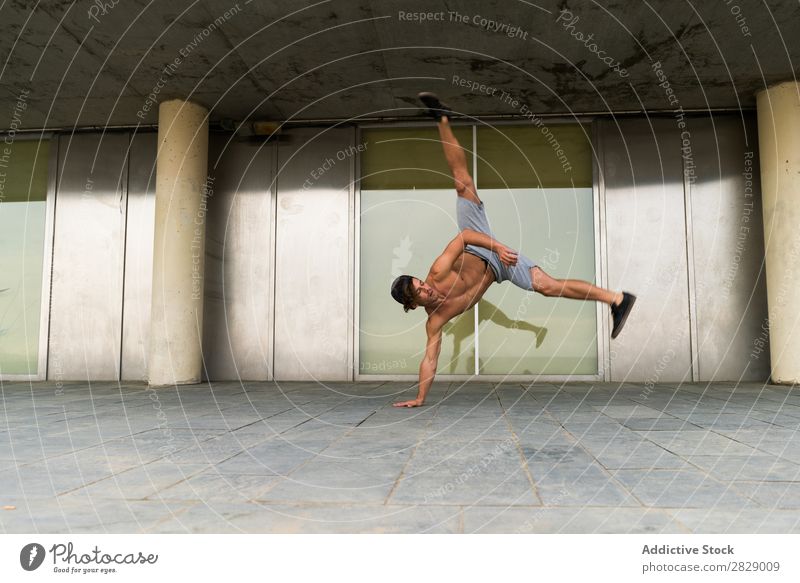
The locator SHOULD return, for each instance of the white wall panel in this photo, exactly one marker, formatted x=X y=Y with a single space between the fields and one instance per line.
x=646 y=247
x=237 y=302
x=313 y=262
x=138 y=255
x=88 y=255
x=728 y=236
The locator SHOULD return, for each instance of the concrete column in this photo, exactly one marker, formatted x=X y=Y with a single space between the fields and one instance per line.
x=176 y=322
x=779 y=146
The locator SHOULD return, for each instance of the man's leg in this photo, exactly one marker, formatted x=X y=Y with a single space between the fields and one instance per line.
x=457 y=161
x=575 y=289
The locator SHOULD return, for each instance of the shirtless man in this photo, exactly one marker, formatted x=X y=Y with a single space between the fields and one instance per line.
x=473 y=261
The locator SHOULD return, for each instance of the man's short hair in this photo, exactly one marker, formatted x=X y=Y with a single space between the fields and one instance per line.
x=403 y=292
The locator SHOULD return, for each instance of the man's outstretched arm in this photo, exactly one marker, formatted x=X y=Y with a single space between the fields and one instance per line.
x=427 y=368
x=444 y=263
x=507 y=255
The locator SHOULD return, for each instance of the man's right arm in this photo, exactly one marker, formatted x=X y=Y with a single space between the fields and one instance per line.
x=443 y=265
x=427 y=368
x=506 y=255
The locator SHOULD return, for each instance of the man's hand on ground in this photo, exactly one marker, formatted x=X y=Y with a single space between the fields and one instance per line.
x=508 y=257
x=414 y=403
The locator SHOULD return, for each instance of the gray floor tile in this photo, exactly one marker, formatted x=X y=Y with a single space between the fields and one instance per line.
x=365 y=447
x=697 y=442
x=644 y=456
x=462 y=481
x=680 y=489
x=658 y=424
x=774 y=495
x=585 y=520
x=138 y=483
x=337 y=481
x=748 y=467
x=209 y=485
x=274 y=457
x=745 y=521
x=261 y=517
x=591 y=485
x=630 y=411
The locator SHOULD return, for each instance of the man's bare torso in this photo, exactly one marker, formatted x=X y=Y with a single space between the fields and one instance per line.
x=462 y=287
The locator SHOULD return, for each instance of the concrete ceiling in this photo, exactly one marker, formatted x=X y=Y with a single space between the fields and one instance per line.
x=94 y=63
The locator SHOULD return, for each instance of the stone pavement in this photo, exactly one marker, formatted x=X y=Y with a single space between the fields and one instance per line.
x=479 y=457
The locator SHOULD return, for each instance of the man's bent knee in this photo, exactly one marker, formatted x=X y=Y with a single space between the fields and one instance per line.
x=543 y=283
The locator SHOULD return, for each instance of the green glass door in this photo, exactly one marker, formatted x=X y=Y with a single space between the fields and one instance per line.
x=537 y=188
x=23 y=211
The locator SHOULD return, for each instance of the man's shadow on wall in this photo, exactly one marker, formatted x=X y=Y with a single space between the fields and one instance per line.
x=464 y=327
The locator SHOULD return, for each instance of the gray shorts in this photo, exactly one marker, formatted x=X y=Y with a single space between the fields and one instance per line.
x=473 y=216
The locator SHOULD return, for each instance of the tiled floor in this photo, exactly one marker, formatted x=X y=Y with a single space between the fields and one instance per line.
x=306 y=457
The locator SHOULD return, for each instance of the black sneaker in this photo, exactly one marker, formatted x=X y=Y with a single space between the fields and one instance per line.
x=435 y=108
x=621 y=311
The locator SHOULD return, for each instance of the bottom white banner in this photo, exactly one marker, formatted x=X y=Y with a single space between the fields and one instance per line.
x=390 y=558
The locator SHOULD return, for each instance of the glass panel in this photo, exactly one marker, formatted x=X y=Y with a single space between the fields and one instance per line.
x=537 y=186
x=531 y=156
x=23 y=190
x=409 y=158
x=556 y=230
x=403 y=231
x=539 y=212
